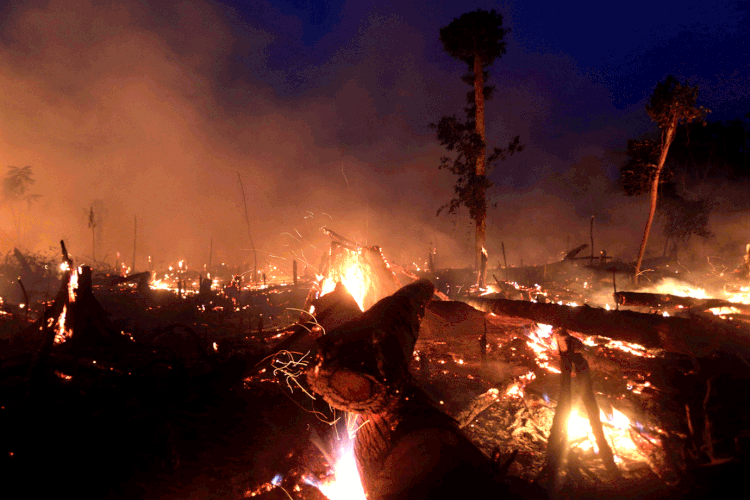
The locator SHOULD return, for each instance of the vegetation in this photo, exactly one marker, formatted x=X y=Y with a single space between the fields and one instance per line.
x=476 y=38
x=15 y=192
x=671 y=105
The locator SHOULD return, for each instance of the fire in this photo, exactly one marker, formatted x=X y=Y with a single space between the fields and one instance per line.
x=352 y=275
x=628 y=347
x=674 y=287
x=541 y=341
x=617 y=429
x=73 y=286
x=62 y=332
x=344 y=483
x=516 y=389
x=742 y=295
x=353 y=278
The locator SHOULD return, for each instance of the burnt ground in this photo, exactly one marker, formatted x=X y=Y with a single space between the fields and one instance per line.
x=166 y=415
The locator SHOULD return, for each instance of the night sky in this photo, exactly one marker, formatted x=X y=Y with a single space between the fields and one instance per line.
x=150 y=110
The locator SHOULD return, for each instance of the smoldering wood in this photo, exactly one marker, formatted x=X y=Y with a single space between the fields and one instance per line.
x=505 y=261
x=693 y=337
x=663 y=300
x=25 y=298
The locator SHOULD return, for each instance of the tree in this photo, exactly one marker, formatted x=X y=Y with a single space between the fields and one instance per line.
x=475 y=38
x=92 y=226
x=685 y=218
x=671 y=104
x=15 y=194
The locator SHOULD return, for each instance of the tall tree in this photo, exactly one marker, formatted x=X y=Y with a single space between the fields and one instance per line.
x=475 y=38
x=671 y=104
x=15 y=191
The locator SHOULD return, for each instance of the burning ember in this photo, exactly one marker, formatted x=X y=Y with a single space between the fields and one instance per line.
x=541 y=341
x=617 y=428
x=63 y=333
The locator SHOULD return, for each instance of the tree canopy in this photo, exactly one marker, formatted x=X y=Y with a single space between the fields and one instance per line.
x=16 y=183
x=475 y=33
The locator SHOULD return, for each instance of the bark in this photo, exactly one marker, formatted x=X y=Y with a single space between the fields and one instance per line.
x=654 y=197
x=481 y=219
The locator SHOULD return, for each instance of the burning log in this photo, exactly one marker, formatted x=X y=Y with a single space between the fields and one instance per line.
x=405 y=447
x=569 y=348
x=363 y=270
x=336 y=308
x=662 y=300
x=693 y=337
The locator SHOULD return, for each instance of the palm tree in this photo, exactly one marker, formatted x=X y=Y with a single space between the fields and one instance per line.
x=476 y=38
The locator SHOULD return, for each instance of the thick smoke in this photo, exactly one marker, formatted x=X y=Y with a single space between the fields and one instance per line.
x=150 y=113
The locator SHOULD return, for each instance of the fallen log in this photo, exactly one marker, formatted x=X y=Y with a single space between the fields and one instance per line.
x=667 y=300
x=405 y=447
x=694 y=337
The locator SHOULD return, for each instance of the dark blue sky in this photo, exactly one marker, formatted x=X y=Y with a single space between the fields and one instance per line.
x=592 y=67
x=626 y=48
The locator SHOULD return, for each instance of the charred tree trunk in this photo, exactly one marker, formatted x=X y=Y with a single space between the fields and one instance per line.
x=481 y=171
x=668 y=137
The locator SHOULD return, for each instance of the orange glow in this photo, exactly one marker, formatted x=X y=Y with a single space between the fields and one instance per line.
x=353 y=278
x=617 y=429
x=541 y=341
x=344 y=483
x=62 y=332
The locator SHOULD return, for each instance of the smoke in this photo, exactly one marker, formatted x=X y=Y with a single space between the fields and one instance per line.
x=150 y=112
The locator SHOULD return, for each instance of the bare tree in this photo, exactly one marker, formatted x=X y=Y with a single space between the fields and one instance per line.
x=671 y=104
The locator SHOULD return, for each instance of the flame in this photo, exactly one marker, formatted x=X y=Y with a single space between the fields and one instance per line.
x=742 y=296
x=344 y=483
x=617 y=428
x=73 y=285
x=541 y=341
x=353 y=277
x=674 y=287
x=62 y=333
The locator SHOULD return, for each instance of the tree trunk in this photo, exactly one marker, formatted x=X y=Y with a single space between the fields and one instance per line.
x=668 y=137
x=481 y=169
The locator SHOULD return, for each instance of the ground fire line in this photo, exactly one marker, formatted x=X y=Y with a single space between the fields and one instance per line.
x=562 y=398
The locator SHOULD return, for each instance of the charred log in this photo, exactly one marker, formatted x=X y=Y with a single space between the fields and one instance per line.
x=660 y=300
x=405 y=447
x=693 y=337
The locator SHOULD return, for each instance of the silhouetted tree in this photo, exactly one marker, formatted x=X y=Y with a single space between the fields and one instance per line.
x=475 y=38
x=15 y=193
x=92 y=226
x=671 y=104
x=683 y=218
